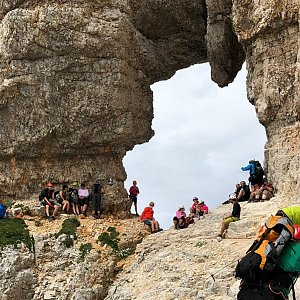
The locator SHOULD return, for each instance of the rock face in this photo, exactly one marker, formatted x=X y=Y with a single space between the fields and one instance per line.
x=269 y=31
x=75 y=82
x=75 y=77
x=191 y=263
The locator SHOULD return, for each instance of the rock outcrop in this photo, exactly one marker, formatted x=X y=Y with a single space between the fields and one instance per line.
x=173 y=264
x=75 y=82
x=269 y=32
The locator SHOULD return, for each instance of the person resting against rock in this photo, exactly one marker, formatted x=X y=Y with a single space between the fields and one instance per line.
x=181 y=220
x=235 y=216
x=148 y=219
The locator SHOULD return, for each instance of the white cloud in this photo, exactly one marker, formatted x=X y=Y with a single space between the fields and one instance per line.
x=203 y=136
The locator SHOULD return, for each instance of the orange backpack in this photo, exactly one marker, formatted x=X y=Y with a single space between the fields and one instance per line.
x=262 y=257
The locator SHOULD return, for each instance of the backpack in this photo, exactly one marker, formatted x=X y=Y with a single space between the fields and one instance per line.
x=263 y=256
x=287 y=271
x=258 y=169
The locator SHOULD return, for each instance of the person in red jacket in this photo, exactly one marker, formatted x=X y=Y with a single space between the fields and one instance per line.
x=148 y=219
x=133 y=193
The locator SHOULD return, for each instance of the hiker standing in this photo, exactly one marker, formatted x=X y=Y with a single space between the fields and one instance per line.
x=235 y=216
x=96 y=199
x=133 y=194
x=256 y=172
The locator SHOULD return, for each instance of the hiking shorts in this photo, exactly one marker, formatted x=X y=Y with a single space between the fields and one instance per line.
x=148 y=222
x=227 y=221
x=83 y=201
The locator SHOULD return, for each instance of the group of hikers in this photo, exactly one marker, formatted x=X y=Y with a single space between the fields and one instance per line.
x=270 y=267
x=74 y=197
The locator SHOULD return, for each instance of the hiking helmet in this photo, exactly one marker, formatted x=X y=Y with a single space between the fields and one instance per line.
x=180 y=207
x=75 y=183
x=195 y=198
x=151 y=203
x=49 y=184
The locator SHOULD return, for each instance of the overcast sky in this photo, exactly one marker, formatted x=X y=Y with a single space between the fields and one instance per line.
x=203 y=136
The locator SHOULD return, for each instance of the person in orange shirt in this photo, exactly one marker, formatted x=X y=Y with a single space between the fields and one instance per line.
x=148 y=219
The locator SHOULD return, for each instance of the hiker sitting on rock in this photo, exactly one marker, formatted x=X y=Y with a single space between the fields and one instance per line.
x=194 y=207
x=73 y=198
x=235 y=216
x=233 y=195
x=148 y=219
x=244 y=192
x=179 y=219
x=201 y=209
x=62 y=198
x=46 y=199
x=83 y=194
x=263 y=192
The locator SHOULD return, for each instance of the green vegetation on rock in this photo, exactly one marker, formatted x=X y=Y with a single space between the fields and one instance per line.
x=111 y=239
x=14 y=232
x=69 y=229
x=84 y=250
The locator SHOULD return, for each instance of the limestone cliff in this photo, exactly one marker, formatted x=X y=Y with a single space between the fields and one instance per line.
x=75 y=82
x=269 y=31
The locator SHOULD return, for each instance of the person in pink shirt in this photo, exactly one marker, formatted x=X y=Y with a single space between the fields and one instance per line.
x=194 y=206
x=83 y=194
x=181 y=220
x=201 y=209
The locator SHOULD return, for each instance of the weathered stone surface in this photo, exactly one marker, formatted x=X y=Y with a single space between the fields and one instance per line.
x=75 y=83
x=269 y=31
x=191 y=263
x=225 y=53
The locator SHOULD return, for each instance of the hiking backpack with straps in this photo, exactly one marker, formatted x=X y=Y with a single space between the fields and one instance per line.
x=287 y=270
x=258 y=169
x=263 y=256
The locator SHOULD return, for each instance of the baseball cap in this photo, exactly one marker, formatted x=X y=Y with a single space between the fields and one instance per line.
x=195 y=198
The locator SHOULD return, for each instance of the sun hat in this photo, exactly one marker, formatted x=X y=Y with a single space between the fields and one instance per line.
x=49 y=184
x=180 y=207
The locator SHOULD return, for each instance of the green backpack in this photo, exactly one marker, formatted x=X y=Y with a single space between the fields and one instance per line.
x=288 y=270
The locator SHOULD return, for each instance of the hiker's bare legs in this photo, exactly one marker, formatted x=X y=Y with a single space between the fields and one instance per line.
x=47 y=210
x=152 y=226
x=223 y=228
x=56 y=208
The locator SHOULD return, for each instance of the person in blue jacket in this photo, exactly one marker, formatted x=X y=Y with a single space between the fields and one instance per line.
x=2 y=210
x=253 y=180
